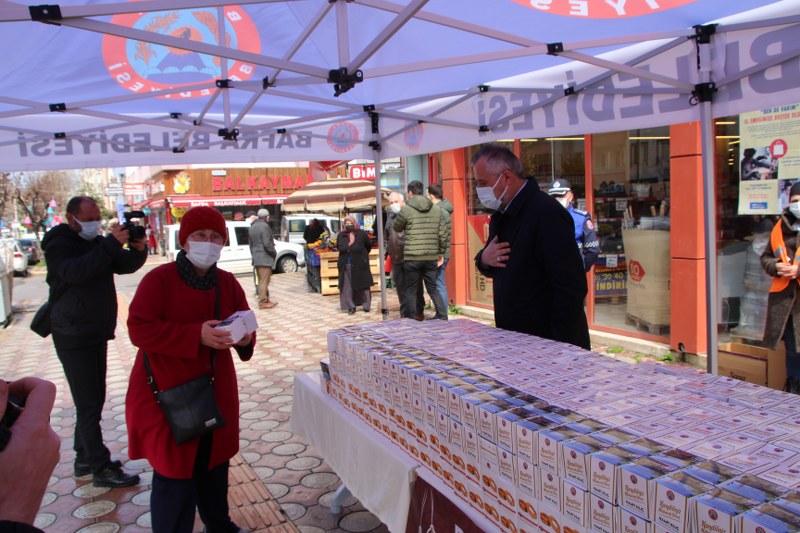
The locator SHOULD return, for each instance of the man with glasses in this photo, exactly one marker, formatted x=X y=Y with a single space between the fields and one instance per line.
x=539 y=284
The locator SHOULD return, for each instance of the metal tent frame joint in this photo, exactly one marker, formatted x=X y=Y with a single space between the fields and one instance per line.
x=46 y=13
x=229 y=135
x=483 y=88
x=59 y=135
x=484 y=129
x=375 y=145
x=175 y=115
x=343 y=81
x=703 y=92
x=703 y=32
x=178 y=150
x=569 y=90
x=374 y=119
x=281 y=131
x=223 y=84
x=554 y=49
x=58 y=108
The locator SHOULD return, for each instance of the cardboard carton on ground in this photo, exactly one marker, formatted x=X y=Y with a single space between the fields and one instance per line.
x=753 y=364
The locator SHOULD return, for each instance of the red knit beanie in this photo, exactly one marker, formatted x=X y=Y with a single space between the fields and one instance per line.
x=198 y=218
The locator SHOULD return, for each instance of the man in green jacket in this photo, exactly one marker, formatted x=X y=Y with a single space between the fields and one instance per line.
x=426 y=239
x=436 y=195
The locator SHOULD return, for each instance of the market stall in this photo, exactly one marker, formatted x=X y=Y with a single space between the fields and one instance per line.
x=533 y=434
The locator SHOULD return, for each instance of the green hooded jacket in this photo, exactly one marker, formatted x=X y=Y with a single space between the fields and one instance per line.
x=427 y=236
x=447 y=209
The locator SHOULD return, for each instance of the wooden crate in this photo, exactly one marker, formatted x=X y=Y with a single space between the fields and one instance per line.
x=329 y=272
x=753 y=364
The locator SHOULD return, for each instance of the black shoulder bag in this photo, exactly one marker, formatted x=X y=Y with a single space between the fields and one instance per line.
x=40 y=323
x=190 y=408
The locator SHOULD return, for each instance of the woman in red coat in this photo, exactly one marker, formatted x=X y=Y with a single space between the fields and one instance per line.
x=171 y=319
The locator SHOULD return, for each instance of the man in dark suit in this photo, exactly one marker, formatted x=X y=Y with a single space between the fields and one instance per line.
x=537 y=271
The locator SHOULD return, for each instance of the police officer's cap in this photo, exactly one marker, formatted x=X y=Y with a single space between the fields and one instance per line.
x=560 y=187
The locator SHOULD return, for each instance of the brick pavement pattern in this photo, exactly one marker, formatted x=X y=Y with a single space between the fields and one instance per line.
x=291 y=339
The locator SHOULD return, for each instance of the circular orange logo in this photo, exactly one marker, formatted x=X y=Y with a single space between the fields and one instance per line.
x=141 y=67
x=610 y=9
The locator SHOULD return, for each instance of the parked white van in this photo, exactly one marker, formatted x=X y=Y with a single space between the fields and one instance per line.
x=235 y=257
x=293 y=226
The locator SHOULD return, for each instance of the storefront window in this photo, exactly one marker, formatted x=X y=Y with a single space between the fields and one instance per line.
x=752 y=183
x=630 y=181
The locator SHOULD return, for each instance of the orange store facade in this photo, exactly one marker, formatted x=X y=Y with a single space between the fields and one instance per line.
x=644 y=191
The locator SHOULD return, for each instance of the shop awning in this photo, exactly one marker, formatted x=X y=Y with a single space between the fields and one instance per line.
x=332 y=196
x=214 y=201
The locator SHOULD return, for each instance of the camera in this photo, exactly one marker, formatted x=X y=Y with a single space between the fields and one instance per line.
x=135 y=233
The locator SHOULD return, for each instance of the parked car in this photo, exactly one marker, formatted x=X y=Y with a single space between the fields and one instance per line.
x=293 y=226
x=20 y=261
x=31 y=247
x=236 y=256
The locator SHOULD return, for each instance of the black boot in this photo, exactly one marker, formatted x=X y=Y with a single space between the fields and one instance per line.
x=790 y=385
x=113 y=476
x=83 y=469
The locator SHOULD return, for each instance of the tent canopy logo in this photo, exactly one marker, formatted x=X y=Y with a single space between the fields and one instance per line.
x=609 y=9
x=342 y=137
x=142 y=67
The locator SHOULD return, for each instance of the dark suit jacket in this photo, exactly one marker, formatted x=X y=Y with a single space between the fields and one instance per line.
x=543 y=286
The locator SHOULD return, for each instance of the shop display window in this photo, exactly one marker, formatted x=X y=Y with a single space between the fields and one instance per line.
x=630 y=184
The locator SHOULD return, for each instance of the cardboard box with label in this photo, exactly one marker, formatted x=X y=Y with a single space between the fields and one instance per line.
x=753 y=364
x=675 y=494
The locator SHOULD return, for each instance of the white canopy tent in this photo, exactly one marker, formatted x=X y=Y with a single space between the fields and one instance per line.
x=202 y=81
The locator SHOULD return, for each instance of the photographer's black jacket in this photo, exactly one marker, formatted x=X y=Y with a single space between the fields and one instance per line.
x=83 y=298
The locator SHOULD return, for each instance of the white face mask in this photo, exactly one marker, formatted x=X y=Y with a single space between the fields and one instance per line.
x=203 y=254
x=795 y=209
x=395 y=208
x=89 y=230
x=487 y=197
x=563 y=201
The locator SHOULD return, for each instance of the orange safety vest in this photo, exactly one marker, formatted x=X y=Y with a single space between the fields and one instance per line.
x=779 y=250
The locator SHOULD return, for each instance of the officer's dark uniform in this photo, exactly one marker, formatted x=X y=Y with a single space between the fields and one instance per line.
x=585 y=232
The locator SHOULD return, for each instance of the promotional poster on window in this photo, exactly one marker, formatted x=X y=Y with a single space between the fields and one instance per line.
x=769 y=158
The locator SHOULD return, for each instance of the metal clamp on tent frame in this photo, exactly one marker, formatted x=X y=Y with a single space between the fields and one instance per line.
x=553 y=49
x=223 y=84
x=703 y=92
x=175 y=115
x=176 y=150
x=703 y=33
x=343 y=81
x=46 y=13
x=228 y=135
x=58 y=108
x=59 y=135
x=375 y=145
x=374 y=119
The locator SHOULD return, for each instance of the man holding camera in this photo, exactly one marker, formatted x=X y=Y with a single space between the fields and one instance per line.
x=83 y=312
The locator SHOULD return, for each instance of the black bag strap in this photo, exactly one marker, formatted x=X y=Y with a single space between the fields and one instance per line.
x=151 y=380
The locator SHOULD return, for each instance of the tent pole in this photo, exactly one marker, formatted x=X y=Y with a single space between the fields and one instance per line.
x=709 y=213
x=378 y=229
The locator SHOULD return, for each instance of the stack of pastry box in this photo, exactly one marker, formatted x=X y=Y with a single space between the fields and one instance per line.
x=540 y=435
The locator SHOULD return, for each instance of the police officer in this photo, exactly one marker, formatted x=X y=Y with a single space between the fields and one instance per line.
x=585 y=233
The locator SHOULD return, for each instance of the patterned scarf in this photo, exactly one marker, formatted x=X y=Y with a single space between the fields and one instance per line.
x=189 y=275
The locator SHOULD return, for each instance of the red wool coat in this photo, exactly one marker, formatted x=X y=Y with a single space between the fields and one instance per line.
x=165 y=320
